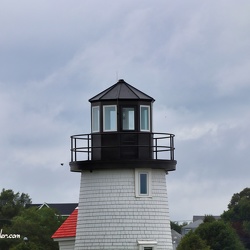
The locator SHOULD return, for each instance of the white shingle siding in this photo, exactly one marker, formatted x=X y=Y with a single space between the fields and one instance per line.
x=66 y=244
x=111 y=217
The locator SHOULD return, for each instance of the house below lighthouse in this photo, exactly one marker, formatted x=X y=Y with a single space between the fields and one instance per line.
x=123 y=201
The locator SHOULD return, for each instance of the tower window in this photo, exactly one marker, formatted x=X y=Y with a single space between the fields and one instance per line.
x=143 y=183
x=145 y=118
x=95 y=119
x=109 y=118
x=128 y=118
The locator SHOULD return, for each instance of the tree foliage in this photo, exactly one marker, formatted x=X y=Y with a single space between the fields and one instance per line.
x=211 y=234
x=192 y=241
x=11 y=205
x=208 y=218
x=245 y=193
x=230 y=233
x=238 y=215
x=177 y=227
x=37 y=225
x=219 y=235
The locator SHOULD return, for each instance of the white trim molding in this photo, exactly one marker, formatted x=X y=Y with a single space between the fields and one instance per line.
x=146 y=244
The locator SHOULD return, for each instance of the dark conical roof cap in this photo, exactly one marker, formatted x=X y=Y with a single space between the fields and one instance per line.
x=121 y=90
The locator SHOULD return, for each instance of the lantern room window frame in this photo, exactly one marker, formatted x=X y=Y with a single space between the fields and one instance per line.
x=96 y=119
x=128 y=118
x=145 y=118
x=109 y=118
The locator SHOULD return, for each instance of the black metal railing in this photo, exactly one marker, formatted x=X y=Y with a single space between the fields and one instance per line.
x=161 y=145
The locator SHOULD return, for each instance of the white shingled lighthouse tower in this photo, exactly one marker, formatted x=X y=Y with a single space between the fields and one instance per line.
x=123 y=201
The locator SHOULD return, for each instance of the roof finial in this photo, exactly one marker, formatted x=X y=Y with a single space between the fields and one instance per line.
x=117 y=75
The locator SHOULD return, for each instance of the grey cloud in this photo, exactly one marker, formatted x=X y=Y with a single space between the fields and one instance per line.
x=191 y=57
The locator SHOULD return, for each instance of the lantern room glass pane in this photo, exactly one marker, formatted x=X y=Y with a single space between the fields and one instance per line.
x=128 y=118
x=110 y=118
x=95 y=119
x=145 y=118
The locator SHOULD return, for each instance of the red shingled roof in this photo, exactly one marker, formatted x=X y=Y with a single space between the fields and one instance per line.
x=68 y=228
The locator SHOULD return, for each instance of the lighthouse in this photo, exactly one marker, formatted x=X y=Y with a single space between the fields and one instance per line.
x=123 y=201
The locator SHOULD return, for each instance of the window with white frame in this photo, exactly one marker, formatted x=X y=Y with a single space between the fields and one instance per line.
x=95 y=119
x=144 y=118
x=143 y=182
x=147 y=245
x=109 y=118
x=128 y=118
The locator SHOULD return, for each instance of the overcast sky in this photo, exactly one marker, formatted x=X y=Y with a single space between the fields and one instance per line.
x=192 y=57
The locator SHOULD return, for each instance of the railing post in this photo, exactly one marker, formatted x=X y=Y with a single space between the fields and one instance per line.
x=75 y=148
x=71 y=142
x=172 y=147
x=88 y=146
x=156 y=148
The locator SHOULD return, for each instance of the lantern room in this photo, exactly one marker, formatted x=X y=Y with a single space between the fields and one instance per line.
x=121 y=131
x=121 y=108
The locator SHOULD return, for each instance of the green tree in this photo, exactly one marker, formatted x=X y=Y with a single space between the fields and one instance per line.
x=192 y=241
x=208 y=218
x=245 y=193
x=238 y=215
x=37 y=225
x=25 y=246
x=11 y=204
x=219 y=235
x=177 y=227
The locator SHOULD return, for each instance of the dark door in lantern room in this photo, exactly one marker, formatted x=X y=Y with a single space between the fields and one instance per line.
x=129 y=137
